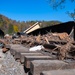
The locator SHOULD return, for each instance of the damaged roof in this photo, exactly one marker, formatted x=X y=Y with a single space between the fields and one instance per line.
x=59 y=28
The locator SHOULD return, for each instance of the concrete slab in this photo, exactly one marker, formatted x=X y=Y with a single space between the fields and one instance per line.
x=13 y=47
x=22 y=55
x=8 y=46
x=59 y=72
x=0 y=66
x=24 y=50
x=15 y=50
x=37 y=66
x=27 y=59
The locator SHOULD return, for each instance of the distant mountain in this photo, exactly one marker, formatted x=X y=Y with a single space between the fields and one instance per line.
x=12 y=26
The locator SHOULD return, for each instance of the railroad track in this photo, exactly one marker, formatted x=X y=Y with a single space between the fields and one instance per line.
x=38 y=63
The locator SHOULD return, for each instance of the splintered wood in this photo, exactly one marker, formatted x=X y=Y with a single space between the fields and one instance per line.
x=49 y=38
x=59 y=44
x=63 y=50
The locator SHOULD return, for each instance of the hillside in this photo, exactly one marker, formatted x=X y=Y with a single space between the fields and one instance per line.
x=12 y=26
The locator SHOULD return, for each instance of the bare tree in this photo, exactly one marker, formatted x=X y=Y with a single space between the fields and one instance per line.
x=72 y=14
x=61 y=3
x=58 y=3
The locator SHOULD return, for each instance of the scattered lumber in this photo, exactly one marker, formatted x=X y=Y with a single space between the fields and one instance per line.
x=60 y=44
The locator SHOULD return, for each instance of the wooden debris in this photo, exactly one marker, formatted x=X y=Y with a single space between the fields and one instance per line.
x=60 y=44
x=4 y=50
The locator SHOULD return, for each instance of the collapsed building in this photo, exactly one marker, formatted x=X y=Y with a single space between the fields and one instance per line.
x=59 y=28
x=32 y=28
x=54 y=38
x=45 y=59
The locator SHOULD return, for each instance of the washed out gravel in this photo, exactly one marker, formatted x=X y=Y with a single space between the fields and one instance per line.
x=10 y=67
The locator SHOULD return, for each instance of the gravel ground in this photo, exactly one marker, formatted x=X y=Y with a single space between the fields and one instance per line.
x=8 y=66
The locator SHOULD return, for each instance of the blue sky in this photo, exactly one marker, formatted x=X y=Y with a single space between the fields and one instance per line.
x=27 y=10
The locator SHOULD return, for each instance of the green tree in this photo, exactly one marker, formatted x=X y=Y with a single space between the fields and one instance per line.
x=10 y=29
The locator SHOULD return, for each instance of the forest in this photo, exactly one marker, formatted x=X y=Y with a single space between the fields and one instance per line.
x=10 y=26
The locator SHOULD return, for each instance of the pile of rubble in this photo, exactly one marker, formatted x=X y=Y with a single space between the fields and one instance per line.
x=59 y=44
x=43 y=39
x=53 y=47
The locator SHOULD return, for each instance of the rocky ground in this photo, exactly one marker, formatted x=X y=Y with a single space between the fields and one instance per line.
x=8 y=66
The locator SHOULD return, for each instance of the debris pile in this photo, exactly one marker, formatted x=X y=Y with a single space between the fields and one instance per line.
x=45 y=39
x=59 y=44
